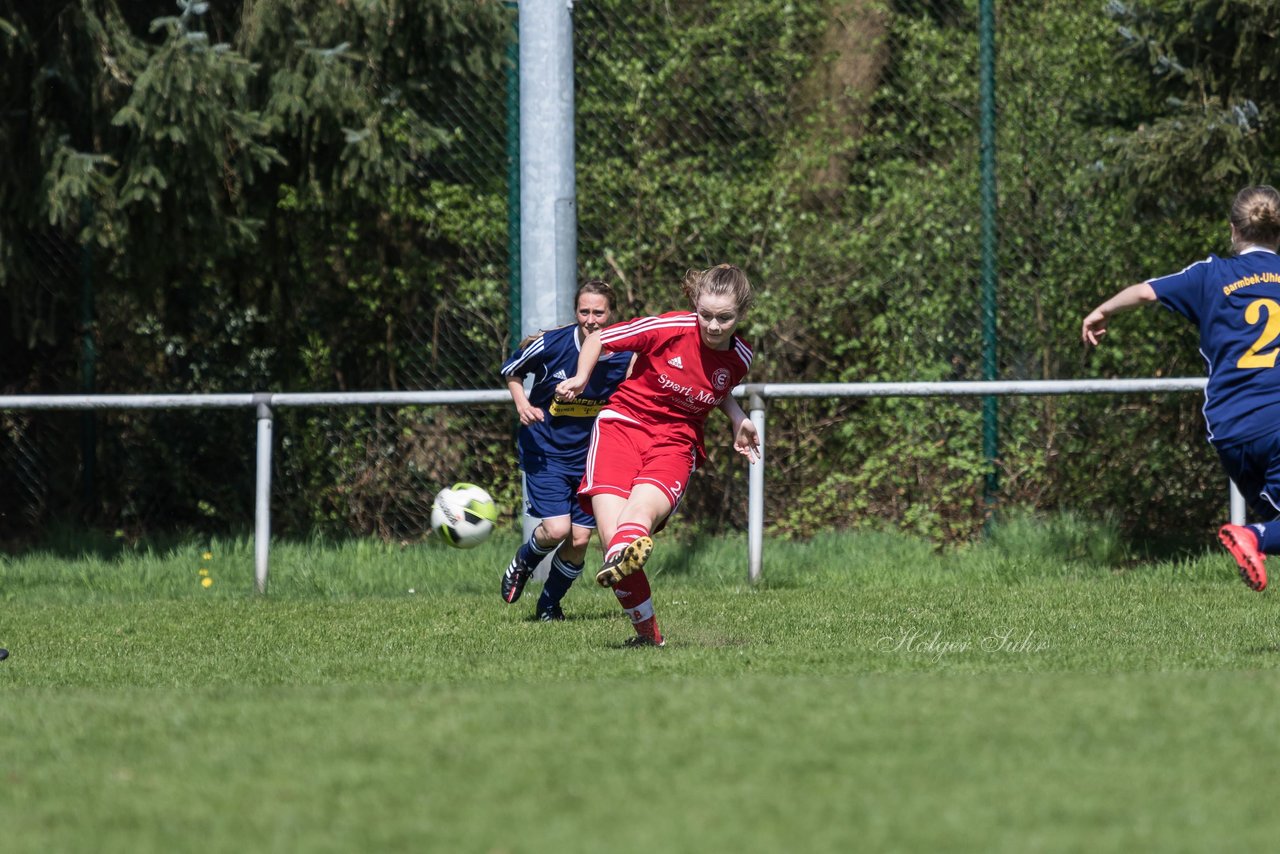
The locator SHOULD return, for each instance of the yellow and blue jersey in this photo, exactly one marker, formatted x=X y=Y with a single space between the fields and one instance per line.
x=560 y=440
x=1235 y=303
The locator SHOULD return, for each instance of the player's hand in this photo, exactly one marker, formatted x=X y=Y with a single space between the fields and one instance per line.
x=1094 y=327
x=530 y=415
x=746 y=440
x=569 y=389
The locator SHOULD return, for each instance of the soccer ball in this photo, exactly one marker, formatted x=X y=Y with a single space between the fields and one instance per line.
x=463 y=515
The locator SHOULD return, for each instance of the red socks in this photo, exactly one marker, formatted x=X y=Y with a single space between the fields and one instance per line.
x=633 y=591
x=625 y=536
x=634 y=597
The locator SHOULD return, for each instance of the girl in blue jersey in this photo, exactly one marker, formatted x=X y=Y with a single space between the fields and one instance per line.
x=552 y=445
x=1235 y=303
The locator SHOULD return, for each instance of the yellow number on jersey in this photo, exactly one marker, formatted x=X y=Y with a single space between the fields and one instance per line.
x=1252 y=358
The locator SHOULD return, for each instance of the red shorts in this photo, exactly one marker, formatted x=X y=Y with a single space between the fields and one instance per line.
x=624 y=453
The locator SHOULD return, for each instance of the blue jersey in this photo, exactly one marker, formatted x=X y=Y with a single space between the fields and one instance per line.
x=1235 y=303
x=560 y=440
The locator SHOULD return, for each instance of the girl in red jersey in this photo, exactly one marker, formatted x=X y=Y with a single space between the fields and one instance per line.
x=649 y=438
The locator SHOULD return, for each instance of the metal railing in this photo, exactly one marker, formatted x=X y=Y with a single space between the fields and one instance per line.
x=756 y=395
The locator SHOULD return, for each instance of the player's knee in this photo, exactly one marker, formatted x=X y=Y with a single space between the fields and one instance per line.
x=581 y=539
x=556 y=530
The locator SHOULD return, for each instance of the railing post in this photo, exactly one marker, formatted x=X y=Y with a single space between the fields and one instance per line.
x=755 y=491
x=262 y=492
x=1237 y=505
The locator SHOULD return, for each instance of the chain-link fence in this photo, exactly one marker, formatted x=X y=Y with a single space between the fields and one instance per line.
x=374 y=471
x=830 y=149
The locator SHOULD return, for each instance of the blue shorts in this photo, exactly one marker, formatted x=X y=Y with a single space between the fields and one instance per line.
x=1255 y=468
x=548 y=494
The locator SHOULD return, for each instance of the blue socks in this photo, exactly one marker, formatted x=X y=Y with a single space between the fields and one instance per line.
x=562 y=575
x=1268 y=537
x=532 y=553
x=559 y=579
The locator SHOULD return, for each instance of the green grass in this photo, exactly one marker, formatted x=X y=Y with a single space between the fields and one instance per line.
x=1044 y=690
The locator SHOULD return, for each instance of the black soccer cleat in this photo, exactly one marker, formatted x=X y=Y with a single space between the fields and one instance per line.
x=515 y=578
x=552 y=614
x=629 y=560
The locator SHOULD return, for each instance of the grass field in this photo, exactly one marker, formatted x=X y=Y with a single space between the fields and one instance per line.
x=1041 y=691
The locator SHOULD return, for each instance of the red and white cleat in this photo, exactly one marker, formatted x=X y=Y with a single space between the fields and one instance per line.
x=629 y=560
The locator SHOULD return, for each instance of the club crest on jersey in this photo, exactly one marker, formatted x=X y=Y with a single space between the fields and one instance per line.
x=720 y=379
x=676 y=363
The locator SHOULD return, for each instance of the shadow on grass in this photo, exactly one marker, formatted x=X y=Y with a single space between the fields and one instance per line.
x=71 y=542
x=1269 y=649
x=571 y=616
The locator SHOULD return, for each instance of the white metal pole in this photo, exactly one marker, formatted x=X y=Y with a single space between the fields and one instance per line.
x=755 y=497
x=548 y=189
x=262 y=495
x=1237 y=505
x=548 y=193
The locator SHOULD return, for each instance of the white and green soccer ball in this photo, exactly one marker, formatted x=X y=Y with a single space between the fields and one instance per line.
x=463 y=515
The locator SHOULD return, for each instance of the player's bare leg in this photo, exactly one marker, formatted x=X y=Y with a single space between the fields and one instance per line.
x=607 y=508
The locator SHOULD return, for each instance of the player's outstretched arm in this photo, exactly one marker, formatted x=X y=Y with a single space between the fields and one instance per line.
x=746 y=439
x=527 y=411
x=1095 y=322
x=588 y=356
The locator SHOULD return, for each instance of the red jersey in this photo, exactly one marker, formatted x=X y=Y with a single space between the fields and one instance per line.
x=677 y=380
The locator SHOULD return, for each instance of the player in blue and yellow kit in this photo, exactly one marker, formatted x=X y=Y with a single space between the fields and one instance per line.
x=552 y=443
x=1235 y=303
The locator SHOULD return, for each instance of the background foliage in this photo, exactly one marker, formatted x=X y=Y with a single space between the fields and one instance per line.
x=291 y=195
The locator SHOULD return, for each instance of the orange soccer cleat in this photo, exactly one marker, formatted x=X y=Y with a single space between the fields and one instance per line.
x=1242 y=542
